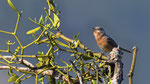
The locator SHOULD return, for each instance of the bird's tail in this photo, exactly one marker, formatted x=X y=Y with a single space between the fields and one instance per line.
x=124 y=50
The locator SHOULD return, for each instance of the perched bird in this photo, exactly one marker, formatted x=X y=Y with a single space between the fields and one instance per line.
x=105 y=42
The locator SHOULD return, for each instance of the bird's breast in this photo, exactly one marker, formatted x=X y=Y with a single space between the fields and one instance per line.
x=103 y=43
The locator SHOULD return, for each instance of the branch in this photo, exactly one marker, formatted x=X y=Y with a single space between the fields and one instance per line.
x=78 y=73
x=23 y=69
x=17 y=59
x=82 y=46
x=52 y=73
x=117 y=71
x=130 y=75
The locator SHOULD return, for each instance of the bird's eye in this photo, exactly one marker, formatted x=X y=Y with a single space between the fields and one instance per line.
x=101 y=31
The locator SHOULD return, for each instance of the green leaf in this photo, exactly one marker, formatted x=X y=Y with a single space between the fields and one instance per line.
x=52 y=5
x=46 y=18
x=40 y=53
x=32 y=20
x=93 y=81
x=41 y=19
x=56 y=21
x=40 y=59
x=77 y=43
x=13 y=78
x=86 y=57
x=33 y=30
x=8 y=74
x=76 y=36
x=41 y=79
x=72 y=55
x=12 y=6
x=10 y=43
x=62 y=44
x=48 y=25
x=35 y=19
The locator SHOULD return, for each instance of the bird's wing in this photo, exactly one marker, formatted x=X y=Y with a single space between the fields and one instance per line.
x=111 y=41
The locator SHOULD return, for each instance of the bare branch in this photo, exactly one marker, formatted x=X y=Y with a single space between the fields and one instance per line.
x=130 y=75
x=115 y=57
x=78 y=73
x=52 y=73
x=18 y=59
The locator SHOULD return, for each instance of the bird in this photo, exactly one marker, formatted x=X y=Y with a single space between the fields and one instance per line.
x=105 y=42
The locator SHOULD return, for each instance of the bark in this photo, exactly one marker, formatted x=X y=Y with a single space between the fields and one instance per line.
x=115 y=58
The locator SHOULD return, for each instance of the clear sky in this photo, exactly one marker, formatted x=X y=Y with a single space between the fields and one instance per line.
x=126 y=21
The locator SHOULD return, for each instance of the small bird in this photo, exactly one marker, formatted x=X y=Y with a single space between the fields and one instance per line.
x=105 y=42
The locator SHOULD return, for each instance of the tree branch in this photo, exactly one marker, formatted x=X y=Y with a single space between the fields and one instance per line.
x=78 y=73
x=82 y=46
x=130 y=75
x=17 y=59
x=117 y=71
x=52 y=73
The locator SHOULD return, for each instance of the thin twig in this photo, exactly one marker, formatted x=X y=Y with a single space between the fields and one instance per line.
x=82 y=46
x=24 y=61
x=130 y=75
x=78 y=73
x=97 y=72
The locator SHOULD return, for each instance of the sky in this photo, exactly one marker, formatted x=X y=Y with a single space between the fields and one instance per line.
x=126 y=21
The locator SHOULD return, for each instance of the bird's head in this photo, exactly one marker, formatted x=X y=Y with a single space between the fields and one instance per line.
x=98 y=30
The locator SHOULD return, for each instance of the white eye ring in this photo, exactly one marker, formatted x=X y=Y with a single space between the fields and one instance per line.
x=100 y=31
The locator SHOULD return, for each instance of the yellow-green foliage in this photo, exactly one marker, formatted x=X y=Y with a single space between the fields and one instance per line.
x=43 y=34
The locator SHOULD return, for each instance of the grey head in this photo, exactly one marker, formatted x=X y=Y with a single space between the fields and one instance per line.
x=99 y=29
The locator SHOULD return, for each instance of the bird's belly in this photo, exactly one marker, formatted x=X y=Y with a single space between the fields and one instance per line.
x=106 y=47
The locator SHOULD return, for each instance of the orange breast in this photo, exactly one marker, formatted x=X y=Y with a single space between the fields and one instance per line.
x=104 y=44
